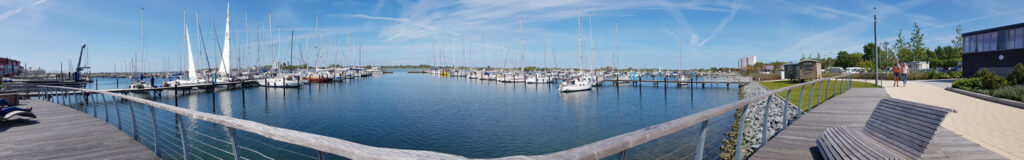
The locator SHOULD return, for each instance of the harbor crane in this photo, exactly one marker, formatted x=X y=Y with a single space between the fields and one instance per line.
x=78 y=70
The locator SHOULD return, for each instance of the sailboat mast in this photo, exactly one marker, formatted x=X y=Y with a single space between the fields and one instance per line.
x=142 y=30
x=291 y=49
x=615 y=54
x=579 y=38
x=593 y=49
x=316 y=31
x=483 y=48
x=522 y=46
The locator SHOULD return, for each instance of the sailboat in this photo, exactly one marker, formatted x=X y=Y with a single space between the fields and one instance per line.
x=225 y=63
x=580 y=83
x=541 y=77
x=140 y=82
x=193 y=77
x=520 y=77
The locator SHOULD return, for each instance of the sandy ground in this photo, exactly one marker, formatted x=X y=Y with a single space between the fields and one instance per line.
x=998 y=127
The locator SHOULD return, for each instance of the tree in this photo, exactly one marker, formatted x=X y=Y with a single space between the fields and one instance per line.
x=918 y=49
x=869 y=52
x=958 y=42
x=844 y=59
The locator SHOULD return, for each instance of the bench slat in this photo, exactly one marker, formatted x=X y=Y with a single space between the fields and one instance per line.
x=920 y=131
x=915 y=112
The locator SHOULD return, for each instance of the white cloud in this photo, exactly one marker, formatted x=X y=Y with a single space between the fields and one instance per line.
x=735 y=7
x=15 y=11
x=428 y=19
x=363 y=16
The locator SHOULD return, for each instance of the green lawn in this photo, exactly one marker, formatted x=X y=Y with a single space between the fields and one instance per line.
x=810 y=92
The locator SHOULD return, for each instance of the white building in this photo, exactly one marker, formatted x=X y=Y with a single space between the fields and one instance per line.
x=918 y=65
x=746 y=61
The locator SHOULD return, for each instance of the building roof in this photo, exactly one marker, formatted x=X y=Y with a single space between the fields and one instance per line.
x=995 y=29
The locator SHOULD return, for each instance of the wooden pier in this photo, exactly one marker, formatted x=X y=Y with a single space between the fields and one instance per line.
x=186 y=87
x=155 y=90
x=852 y=109
x=64 y=133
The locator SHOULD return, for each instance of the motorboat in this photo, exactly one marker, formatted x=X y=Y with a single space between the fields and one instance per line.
x=538 y=78
x=281 y=81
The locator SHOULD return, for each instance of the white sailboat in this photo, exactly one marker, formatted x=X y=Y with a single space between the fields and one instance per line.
x=193 y=77
x=140 y=82
x=225 y=63
x=579 y=83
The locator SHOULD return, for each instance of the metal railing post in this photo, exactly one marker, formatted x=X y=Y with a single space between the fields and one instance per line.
x=117 y=112
x=184 y=138
x=622 y=155
x=320 y=155
x=131 y=110
x=849 y=83
x=739 y=135
x=234 y=144
x=821 y=88
x=156 y=144
x=785 y=110
x=828 y=87
x=764 y=122
x=106 y=109
x=800 y=105
x=700 y=144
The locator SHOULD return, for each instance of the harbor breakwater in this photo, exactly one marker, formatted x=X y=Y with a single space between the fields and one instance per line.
x=754 y=120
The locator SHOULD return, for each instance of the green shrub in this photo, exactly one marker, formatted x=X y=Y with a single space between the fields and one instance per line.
x=990 y=80
x=956 y=74
x=944 y=76
x=967 y=84
x=1017 y=76
x=1011 y=92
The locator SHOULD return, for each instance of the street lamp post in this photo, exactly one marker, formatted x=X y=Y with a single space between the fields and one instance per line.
x=876 y=46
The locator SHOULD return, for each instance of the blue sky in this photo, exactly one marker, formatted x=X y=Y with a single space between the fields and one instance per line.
x=43 y=33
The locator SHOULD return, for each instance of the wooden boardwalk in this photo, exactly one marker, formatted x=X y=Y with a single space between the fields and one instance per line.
x=64 y=133
x=852 y=109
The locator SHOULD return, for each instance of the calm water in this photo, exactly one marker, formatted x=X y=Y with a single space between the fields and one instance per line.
x=472 y=118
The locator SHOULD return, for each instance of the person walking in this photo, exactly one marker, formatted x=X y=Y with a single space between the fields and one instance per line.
x=895 y=73
x=905 y=72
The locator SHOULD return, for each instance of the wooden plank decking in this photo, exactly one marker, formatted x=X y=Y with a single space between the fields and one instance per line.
x=64 y=133
x=852 y=109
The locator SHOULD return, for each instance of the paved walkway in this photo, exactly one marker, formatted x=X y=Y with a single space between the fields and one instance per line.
x=998 y=127
x=852 y=109
x=64 y=133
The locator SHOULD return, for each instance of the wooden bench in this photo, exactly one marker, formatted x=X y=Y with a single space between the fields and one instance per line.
x=897 y=129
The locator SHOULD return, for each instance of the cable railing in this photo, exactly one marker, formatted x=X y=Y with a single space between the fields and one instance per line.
x=179 y=138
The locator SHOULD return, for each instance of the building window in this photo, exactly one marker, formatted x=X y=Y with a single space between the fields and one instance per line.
x=1019 y=38
x=966 y=44
x=979 y=42
x=983 y=42
x=974 y=43
x=1010 y=44
x=991 y=42
x=1011 y=35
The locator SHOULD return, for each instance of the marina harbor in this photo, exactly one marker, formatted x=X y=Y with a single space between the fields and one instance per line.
x=511 y=80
